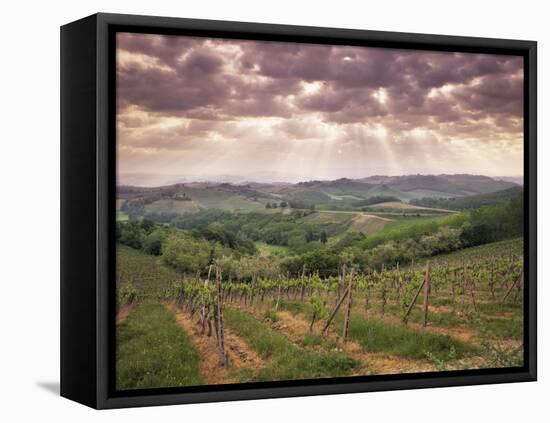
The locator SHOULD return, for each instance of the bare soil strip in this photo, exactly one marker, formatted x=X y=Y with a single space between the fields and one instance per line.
x=240 y=355
x=461 y=332
x=374 y=363
x=294 y=328
x=123 y=312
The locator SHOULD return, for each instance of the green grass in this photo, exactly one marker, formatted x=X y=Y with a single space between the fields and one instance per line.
x=445 y=319
x=512 y=246
x=154 y=352
x=271 y=250
x=322 y=218
x=497 y=309
x=503 y=328
x=286 y=360
x=382 y=336
x=401 y=222
x=121 y=216
x=316 y=340
x=296 y=307
x=147 y=274
x=271 y=315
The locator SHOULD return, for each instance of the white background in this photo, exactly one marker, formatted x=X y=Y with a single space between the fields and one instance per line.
x=29 y=236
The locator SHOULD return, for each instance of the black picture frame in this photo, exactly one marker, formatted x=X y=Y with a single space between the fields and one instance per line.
x=88 y=159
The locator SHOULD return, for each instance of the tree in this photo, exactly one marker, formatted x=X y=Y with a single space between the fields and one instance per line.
x=323 y=237
x=147 y=225
x=152 y=243
x=283 y=204
x=268 y=205
x=131 y=234
x=188 y=255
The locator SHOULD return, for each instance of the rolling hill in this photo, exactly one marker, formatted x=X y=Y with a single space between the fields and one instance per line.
x=471 y=201
x=343 y=192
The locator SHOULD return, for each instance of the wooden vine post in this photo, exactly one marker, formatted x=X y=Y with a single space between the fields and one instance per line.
x=278 y=294
x=335 y=310
x=302 y=285
x=348 y=306
x=470 y=284
x=340 y=284
x=203 y=307
x=413 y=302
x=514 y=282
x=398 y=285
x=426 y=295
x=219 y=319
x=252 y=288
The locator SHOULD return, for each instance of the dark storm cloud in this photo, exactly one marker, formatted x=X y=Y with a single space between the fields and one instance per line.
x=165 y=49
x=301 y=105
x=192 y=82
x=192 y=76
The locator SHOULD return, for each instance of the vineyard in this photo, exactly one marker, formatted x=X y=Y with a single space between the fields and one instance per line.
x=462 y=310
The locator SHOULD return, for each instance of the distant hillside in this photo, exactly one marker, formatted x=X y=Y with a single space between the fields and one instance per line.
x=195 y=196
x=469 y=202
x=515 y=179
x=377 y=199
x=189 y=198
x=405 y=188
x=446 y=185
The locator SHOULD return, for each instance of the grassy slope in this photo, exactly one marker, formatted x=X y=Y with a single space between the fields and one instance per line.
x=287 y=361
x=509 y=246
x=473 y=201
x=271 y=250
x=381 y=336
x=400 y=222
x=400 y=206
x=153 y=351
x=121 y=216
x=146 y=273
x=368 y=224
x=173 y=206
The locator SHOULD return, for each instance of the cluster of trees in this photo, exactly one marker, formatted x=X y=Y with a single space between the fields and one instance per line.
x=274 y=229
x=293 y=204
x=185 y=251
x=196 y=240
x=470 y=202
x=216 y=233
x=135 y=208
x=377 y=199
x=142 y=235
x=282 y=204
x=463 y=230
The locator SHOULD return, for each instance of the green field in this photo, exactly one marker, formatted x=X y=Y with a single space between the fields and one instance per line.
x=277 y=275
x=121 y=216
x=286 y=361
x=153 y=351
x=146 y=273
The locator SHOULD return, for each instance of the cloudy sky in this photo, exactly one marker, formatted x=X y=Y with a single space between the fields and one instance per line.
x=209 y=109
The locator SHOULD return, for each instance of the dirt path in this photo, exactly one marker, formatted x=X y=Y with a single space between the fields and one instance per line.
x=460 y=332
x=294 y=328
x=124 y=311
x=240 y=355
x=374 y=363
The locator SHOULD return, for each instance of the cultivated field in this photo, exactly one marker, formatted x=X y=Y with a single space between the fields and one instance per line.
x=456 y=311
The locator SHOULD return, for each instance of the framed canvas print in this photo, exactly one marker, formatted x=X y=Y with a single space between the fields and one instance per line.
x=255 y=211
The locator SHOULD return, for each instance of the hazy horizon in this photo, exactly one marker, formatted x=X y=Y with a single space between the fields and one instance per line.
x=157 y=180
x=204 y=108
